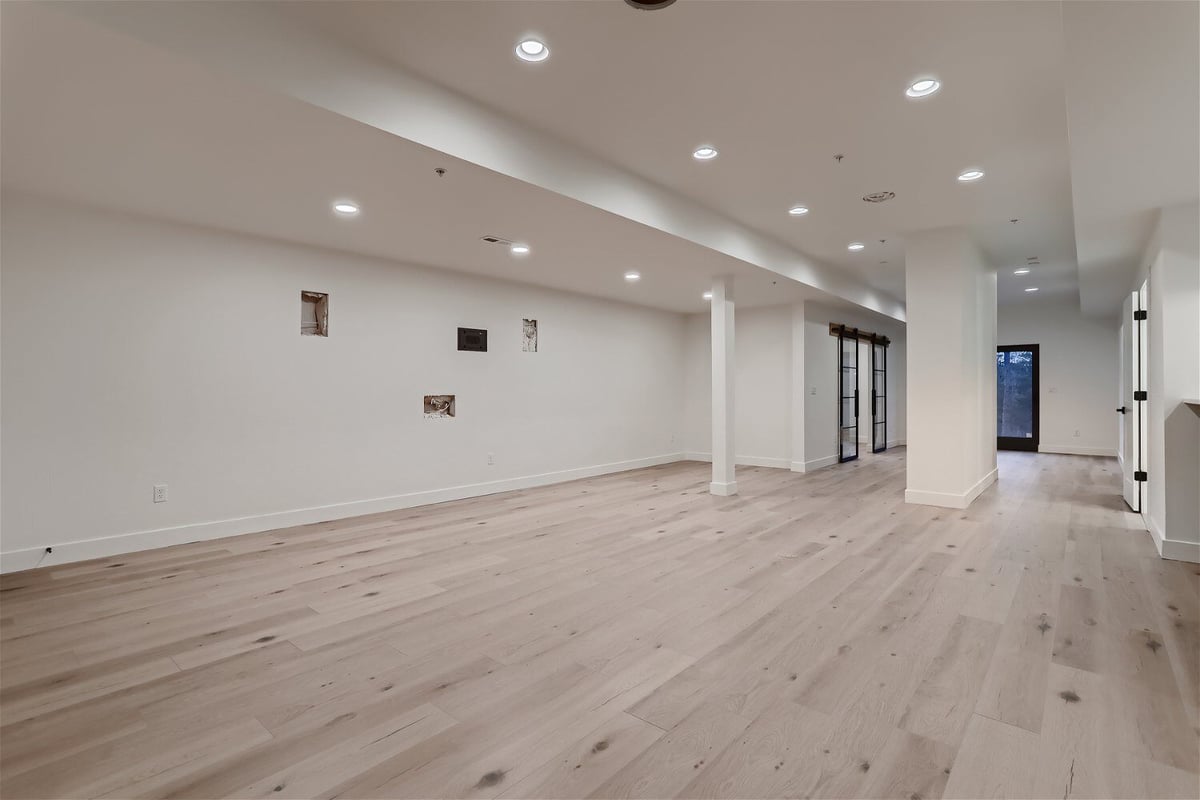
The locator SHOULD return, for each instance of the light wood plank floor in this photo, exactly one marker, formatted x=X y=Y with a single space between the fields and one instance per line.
x=626 y=636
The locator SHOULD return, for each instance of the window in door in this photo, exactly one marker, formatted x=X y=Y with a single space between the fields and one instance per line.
x=1017 y=397
x=848 y=394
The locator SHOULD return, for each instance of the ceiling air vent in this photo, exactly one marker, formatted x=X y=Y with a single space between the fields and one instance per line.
x=649 y=5
x=495 y=240
x=878 y=197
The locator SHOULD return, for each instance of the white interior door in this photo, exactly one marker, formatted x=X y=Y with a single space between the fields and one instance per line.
x=1134 y=385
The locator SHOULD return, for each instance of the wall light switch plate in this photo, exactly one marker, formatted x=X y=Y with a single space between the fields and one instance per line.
x=160 y=493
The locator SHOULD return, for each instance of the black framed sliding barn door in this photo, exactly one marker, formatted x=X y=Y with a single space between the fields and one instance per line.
x=848 y=393
x=878 y=396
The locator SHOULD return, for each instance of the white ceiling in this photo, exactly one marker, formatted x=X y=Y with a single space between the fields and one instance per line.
x=1133 y=102
x=610 y=120
x=780 y=88
x=94 y=117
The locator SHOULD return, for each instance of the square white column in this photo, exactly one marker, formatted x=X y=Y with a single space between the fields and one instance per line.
x=723 y=480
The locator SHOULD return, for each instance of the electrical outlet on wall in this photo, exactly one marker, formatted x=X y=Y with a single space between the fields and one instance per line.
x=160 y=493
x=813 y=391
x=1077 y=434
x=491 y=458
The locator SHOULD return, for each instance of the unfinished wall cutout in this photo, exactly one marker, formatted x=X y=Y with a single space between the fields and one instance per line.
x=439 y=406
x=314 y=314
x=529 y=335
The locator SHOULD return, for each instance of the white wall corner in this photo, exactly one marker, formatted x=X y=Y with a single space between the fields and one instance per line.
x=949 y=499
x=1173 y=549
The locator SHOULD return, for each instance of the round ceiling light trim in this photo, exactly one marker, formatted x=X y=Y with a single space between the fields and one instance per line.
x=970 y=175
x=1031 y=288
x=518 y=249
x=798 y=211
x=345 y=208
x=854 y=247
x=705 y=153
x=879 y=197
x=707 y=295
x=633 y=276
x=649 y=5
x=923 y=87
x=1021 y=271
x=532 y=50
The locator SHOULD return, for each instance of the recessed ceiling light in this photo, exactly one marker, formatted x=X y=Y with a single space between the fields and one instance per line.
x=519 y=249
x=1021 y=271
x=706 y=153
x=970 y=175
x=532 y=50
x=633 y=276
x=922 y=88
x=1031 y=288
x=344 y=208
x=855 y=246
x=798 y=211
x=707 y=295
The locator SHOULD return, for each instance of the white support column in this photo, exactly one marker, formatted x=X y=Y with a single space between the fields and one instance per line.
x=799 y=388
x=951 y=349
x=723 y=481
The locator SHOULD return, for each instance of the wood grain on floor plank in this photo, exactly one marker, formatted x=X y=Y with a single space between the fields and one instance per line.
x=628 y=635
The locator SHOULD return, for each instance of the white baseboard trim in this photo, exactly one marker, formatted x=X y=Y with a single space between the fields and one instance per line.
x=898 y=443
x=950 y=499
x=1072 y=450
x=1173 y=549
x=815 y=464
x=723 y=489
x=743 y=461
x=67 y=552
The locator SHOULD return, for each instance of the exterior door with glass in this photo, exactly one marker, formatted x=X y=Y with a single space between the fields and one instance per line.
x=1017 y=397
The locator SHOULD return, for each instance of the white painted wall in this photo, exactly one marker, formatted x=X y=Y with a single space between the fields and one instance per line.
x=1078 y=363
x=951 y=295
x=138 y=352
x=1172 y=264
x=820 y=375
x=763 y=388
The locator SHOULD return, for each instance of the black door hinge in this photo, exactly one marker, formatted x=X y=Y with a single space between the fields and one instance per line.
x=1139 y=476
x=1139 y=314
x=1140 y=395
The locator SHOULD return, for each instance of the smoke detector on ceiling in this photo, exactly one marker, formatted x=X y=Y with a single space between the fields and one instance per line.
x=648 y=5
x=878 y=197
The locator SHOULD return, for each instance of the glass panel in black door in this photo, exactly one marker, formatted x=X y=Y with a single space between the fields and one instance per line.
x=1017 y=397
x=848 y=393
x=878 y=398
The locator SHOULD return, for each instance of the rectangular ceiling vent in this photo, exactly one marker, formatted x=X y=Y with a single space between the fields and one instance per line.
x=495 y=240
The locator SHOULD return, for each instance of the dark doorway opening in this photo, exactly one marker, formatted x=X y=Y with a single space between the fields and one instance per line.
x=1017 y=397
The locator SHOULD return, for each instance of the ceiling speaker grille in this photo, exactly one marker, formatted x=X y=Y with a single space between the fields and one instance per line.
x=878 y=197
